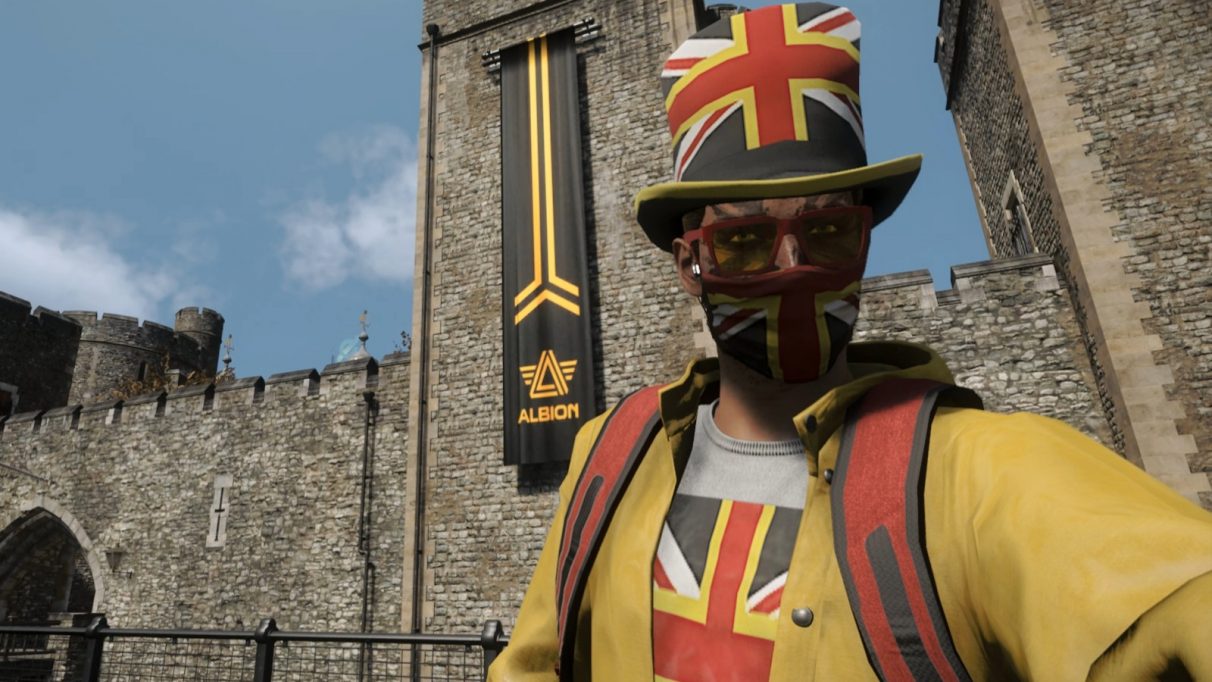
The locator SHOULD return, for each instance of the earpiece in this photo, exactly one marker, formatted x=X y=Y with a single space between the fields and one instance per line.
x=694 y=268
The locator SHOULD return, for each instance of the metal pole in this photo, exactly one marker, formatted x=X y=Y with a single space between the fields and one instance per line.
x=364 y=526
x=418 y=561
x=264 y=671
x=93 y=648
x=490 y=640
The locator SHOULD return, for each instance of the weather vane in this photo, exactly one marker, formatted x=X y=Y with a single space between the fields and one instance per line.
x=362 y=352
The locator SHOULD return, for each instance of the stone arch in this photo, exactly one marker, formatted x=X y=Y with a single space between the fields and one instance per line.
x=41 y=523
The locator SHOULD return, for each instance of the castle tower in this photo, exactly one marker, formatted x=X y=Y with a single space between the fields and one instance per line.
x=37 y=354
x=113 y=350
x=204 y=327
x=116 y=349
x=1085 y=131
x=642 y=324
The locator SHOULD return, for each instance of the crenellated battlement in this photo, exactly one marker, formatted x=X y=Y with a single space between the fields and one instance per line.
x=1005 y=328
x=37 y=353
x=298 y=457
x=340 y=382
x=203 y=327
x=17 y=310
x=79 y=356
x=118 y=348
x=970 y=283
x=127 y=331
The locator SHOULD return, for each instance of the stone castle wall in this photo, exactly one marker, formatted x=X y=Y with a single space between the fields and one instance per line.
x=484 y=520
x=1140 y=72
x=135 y=481
x=1001 y=156
x=1007 y=329
x=199 y=336
x=37 y=354
x=993 y=127
x=1096 y=110
x=116 y=348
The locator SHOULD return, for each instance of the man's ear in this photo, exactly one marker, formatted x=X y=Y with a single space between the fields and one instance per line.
x=687 y=267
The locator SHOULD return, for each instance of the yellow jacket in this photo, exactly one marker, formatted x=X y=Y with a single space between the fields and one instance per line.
x=1045 y=546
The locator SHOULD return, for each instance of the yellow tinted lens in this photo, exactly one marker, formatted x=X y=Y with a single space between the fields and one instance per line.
x=744 y=248
x=833 y=240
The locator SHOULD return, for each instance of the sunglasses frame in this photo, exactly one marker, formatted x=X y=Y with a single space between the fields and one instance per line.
x=783 y=227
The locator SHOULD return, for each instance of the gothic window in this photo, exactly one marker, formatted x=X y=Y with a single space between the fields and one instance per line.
x=1018 y=224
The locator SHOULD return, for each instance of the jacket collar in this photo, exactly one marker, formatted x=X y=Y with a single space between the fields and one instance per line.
x=870 y=363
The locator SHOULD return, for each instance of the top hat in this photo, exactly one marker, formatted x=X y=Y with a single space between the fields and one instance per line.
x=765 y=104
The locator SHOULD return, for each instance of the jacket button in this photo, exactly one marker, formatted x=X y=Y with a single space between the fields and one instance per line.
x=802 y=617
x=810 y=424
x=829 y=475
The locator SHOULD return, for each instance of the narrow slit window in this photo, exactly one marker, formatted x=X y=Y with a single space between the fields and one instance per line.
x=1018 y=223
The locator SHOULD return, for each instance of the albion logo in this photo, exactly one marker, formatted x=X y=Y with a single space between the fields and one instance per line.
x=549 y=378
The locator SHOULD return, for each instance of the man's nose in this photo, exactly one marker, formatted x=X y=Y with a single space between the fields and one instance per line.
x=789 y=253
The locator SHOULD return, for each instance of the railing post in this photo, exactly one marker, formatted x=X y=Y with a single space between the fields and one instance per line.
x=490 y=640
x=264 y=671
x=94 y=647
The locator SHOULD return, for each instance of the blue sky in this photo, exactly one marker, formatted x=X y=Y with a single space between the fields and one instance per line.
x=259 y=157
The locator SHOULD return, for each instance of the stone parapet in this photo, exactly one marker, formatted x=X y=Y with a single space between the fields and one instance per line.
x=138 y=478
x=343 y=378
x=350 y=375
x=246 y=391
x=62 y=418
x=1068 y=156
x=1006 y=329
x=299 y=383
x=147 y=406
x=37 y=355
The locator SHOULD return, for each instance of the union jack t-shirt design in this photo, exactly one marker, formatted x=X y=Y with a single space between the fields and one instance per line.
x=718 y=582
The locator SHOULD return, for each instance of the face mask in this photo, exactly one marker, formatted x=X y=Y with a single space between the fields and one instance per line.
x=789 y=324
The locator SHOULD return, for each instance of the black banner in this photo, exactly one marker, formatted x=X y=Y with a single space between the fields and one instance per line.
x=549 y=378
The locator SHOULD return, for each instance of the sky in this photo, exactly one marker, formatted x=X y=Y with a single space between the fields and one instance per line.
x=258 y=157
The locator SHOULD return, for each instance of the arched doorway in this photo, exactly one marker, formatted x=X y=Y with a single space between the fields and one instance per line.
x=45 y=577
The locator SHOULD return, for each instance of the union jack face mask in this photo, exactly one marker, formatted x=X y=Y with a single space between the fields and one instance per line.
x=790 y=323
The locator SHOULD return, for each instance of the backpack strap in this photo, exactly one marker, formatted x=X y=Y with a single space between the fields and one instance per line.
x=622 y=441
x=879 y=530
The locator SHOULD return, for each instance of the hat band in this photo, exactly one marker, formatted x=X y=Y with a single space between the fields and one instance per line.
x=790 y=158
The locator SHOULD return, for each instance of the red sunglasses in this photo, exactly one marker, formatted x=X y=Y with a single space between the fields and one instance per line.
x=833 y=238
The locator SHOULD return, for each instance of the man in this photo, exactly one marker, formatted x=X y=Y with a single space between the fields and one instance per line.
x=763 y=517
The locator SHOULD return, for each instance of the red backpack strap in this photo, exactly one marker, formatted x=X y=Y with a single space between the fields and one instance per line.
x=879 y=531
x=622 y=441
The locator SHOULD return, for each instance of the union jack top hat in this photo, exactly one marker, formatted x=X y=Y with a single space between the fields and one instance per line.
x=765 y=104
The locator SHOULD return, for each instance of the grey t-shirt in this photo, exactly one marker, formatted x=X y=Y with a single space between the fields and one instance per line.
x=761 y=472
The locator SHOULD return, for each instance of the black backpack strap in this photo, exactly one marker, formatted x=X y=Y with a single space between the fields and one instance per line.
x=879 y=530
x=621 y=443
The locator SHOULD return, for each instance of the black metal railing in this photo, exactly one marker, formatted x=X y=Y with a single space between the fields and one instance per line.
x=98 y=652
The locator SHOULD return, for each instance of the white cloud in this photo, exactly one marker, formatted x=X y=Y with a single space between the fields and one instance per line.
x=67 y=261
x=369 y=233
x=195 y=242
